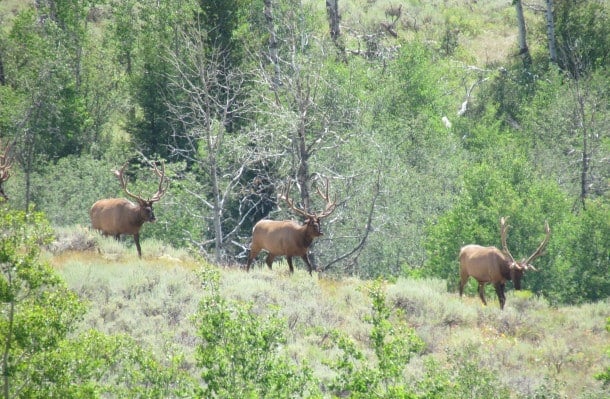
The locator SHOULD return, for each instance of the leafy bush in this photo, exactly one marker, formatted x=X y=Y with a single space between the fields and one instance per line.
x=393 y=343
x=40 y=357
x=578 y=266
x=241 y=352
x=77 y=182
x=38 y=311
x=605 y=375
x=93 y=365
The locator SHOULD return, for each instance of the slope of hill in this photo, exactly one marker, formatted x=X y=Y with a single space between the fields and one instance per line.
x=529 y=348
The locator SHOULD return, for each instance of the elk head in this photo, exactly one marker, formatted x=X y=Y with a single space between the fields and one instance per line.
x=5 y=169
x=312 y=220
x=146 y=204
x=518 y=268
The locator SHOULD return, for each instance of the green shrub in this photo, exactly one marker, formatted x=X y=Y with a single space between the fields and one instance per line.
x=240 y=352
x=604 y=376
x=393 y=344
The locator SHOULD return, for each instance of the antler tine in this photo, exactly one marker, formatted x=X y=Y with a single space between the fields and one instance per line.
x=123 y=181
x=163 y=182
x=541 y=247
x=503 y=231
x=290 y=202
x=330 y=206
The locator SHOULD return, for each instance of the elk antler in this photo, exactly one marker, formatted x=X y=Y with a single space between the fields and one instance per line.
x=541 y=247
x=285 y=195
x=5 y=165
x=330 y=206
x=503 y=230
x=123 y=181
x=163 y=183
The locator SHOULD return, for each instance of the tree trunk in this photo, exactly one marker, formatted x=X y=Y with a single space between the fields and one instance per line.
x=2 y=77
x=303 y=167
x=273 y=45
x=523 y=49
x=584 y=172
x=334 y=22
x=550 y=31
x=332 y=10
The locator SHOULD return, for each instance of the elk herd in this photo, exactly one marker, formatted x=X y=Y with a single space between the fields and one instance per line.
x=119 y=216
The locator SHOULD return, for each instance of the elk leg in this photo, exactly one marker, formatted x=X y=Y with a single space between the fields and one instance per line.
x=463 y=282
x=482 y=293
x=306 y=259
x=269 y=260
x=501 y=296
x=253 y=254
x=136 y=238
x=289 y=259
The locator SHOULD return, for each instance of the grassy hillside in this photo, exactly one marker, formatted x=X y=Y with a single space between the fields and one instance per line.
x=530 y=347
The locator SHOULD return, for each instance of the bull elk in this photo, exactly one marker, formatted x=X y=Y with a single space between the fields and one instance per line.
x=289 y=238
x=116 y=216
x=5 y=170
x=491 y=265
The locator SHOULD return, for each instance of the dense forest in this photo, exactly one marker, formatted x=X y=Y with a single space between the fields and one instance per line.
x=425 y=122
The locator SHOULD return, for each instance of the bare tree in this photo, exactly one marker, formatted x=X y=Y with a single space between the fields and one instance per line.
x=210 y=98
x=305 y=108
x=588 y=126
x=523 y=49
x=273 y=44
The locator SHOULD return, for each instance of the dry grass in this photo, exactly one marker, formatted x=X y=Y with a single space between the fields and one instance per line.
x=487 y=30
x=534 y=344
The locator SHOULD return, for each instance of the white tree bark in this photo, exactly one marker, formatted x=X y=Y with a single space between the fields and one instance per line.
x=550 y=31
x=523 y=49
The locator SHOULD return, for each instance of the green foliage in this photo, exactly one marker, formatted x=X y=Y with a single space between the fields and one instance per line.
x=583 y=42
x=491 y=192
x=470 y=380
x=413 y=86
x=38 y=311
x=604 y=376
x=394 y=344
x=69 y=201
x=93 y=365
x=241 y=352
x=580 y=268
x=464 y=378
x=46 y=46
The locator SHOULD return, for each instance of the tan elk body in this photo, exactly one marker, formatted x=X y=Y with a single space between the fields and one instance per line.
x=490 y=265
x=116 y=216
x=288 y=238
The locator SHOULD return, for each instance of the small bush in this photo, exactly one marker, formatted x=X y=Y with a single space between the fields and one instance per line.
x=74 y=238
